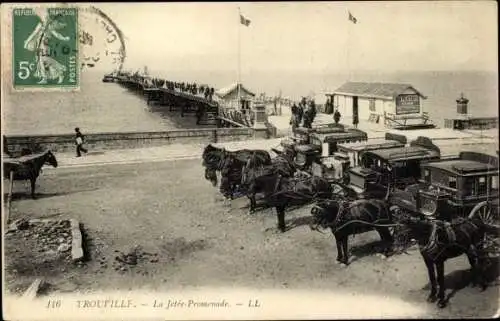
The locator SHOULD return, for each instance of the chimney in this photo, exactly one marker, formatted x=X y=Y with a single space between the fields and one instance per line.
x=462 y=105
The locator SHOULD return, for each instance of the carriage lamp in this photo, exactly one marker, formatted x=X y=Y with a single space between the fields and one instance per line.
x=428 y=207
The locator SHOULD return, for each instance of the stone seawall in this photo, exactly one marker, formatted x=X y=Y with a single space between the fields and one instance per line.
x=96 y=141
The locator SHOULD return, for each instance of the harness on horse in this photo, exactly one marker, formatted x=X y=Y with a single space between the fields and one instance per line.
x=343 y=212
x=432 y=246
x=278 y=181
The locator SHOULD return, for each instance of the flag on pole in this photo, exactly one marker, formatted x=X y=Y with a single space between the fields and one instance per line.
x=352 y=18
x=244 y=21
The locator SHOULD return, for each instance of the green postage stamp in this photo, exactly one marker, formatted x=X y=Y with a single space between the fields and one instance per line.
x=45 y=48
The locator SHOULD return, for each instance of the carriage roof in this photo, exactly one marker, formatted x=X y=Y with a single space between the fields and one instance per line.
x=468 y=163
x=306 y=148
x=464 y=167
x=403 y=153
x=304 y=130
x=322 y=129
x=350 y=134
x=372 y=144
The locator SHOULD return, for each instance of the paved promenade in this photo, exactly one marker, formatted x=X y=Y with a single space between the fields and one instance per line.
x=282 y=124
x=194 y=151
x=152 y=154
x=450 y=141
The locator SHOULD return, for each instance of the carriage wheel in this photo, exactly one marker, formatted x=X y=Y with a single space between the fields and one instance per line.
x=484 y=211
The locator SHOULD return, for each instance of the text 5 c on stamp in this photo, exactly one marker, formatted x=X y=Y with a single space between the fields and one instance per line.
x=45 y=48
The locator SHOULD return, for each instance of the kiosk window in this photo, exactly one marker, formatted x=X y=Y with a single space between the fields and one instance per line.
x=452 y=182
x=469 y=187
x=427 y=175
x=481 y=185
x=494 y=182
x=372 y=104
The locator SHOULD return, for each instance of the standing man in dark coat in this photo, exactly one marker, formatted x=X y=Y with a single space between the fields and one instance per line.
x=336 y=116
x=79 y=139
x=300 y=112
x=313 y=111
x=307 y=118
x=294 y=118
x=355 y=121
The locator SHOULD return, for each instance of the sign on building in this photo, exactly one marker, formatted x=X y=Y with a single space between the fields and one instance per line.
x=407 y=104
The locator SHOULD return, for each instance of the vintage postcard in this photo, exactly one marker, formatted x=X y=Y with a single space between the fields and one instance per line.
x=253 y=160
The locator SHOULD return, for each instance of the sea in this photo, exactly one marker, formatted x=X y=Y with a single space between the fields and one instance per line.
x=108 y=107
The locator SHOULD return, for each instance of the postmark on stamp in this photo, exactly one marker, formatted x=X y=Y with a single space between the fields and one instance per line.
x=102 y=43
x=45 y=46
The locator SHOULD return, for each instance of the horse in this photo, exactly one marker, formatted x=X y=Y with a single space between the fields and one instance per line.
x=281 y=192
x=346 y=218
x=280 y=165
x=231 y=176
x=28 y=167
x=288 y=154
x=439 y=241
x=219 y=159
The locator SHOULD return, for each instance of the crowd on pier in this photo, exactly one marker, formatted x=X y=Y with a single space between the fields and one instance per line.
x=188 y=88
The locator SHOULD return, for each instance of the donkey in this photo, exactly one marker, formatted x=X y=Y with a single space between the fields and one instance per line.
x=28 y=167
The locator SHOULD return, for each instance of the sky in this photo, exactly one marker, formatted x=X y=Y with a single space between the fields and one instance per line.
x=312 y=36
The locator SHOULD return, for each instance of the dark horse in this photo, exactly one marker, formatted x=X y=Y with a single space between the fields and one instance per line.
x=439 y=241
x=230 y=165
x=281 y=192
x=28 y=167
x=280 y=165
x=346 y=218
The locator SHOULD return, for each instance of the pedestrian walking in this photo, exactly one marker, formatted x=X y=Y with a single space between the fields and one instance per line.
x=79 y=140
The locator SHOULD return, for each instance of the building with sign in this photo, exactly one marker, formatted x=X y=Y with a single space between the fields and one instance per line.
x=391 y=104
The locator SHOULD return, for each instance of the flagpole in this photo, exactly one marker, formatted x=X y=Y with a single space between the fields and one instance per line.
x=349 y=49
x=239 y=56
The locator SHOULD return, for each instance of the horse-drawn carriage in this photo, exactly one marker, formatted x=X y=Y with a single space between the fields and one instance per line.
x=384 y=170
x=348 y=155
x=465 y=186
x=329 y=163
x=314 y=151
x=353 y=151
x=302 y=135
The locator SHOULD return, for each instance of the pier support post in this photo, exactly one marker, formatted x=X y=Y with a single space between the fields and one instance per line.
x=260 y=121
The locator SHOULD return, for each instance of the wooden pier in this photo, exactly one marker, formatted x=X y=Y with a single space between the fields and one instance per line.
x=207 y=111
x=188 y=104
